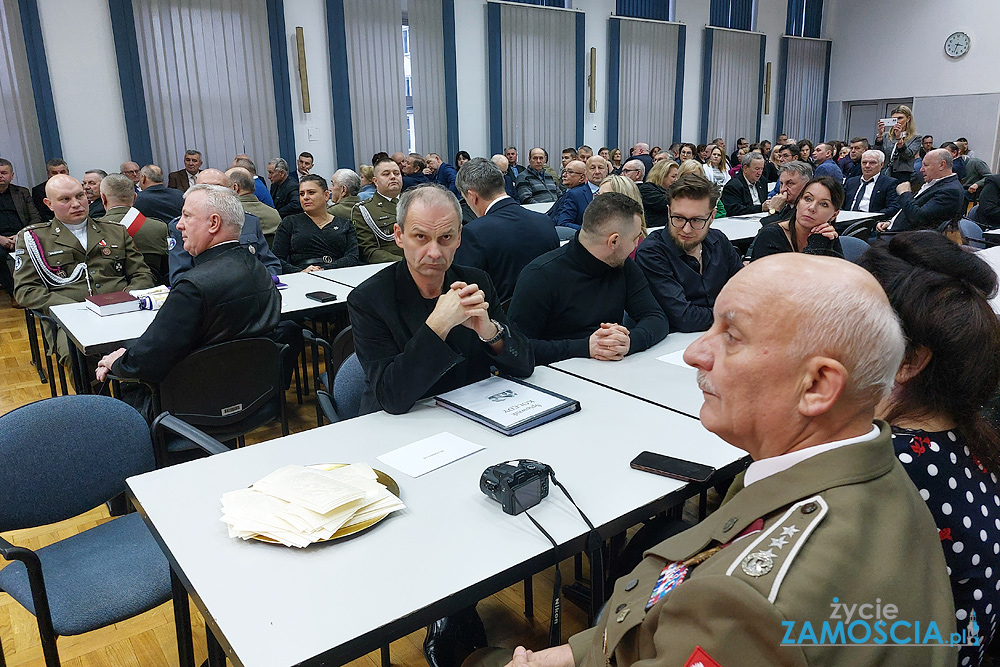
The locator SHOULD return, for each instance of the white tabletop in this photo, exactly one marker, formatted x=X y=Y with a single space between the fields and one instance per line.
x=539 y=208
x=644 y=376
x=352 y=276
x=271 y=605
x=93 y=334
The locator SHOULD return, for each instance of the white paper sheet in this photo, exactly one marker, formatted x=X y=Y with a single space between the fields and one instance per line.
x=429 y=454
x=502 y=401
x=675 y=358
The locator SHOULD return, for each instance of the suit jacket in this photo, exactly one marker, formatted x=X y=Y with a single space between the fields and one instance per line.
x=261 y=192
x=573 y=205
x=25 y=207
x=150 y=240
x=899 y=161
x=286 y=197
x=989 y=202
x=413 y=180
x=227 y=295
x=38 y=197
x=736 y=195
x=344 y=207
x=504 y=241
x=845 y=525
x=268 y=216
x=508 y=184
x=251 y=238
x=445 y=176
x=883 y=199
x=178 y=180
x=160 y=202
x=404 y=360
x=936 y=205
x=655 y=203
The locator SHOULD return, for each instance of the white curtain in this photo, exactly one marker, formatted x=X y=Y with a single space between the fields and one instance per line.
x=206 y=71
x=430 y=119
x=805 y=88
x=20 y=139
x=538 y=73
x=374 y=30
x=647 y=82
x=734 y=87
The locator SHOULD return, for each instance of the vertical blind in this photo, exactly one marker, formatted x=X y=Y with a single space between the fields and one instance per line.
x=805 y=88
x=207 y=80
x=731 y=99
x=374 y=34
x=430 y=119
x=538 y=91
x=647 y=82
x=20 y=138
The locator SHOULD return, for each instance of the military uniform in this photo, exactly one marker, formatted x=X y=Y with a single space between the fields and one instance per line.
x=268 y=215
x=112 y=260
x=343 y=208
x=846 y=526
x=374 y=221
x=150 y=239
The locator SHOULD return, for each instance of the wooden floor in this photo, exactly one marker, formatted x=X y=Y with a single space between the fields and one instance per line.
x=148 y=640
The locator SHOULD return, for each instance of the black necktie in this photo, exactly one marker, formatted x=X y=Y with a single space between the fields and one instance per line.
x=861 y=194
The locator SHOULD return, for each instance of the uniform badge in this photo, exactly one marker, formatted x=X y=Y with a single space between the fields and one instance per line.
x=171 y=243
x=119 y=267
x=106 y=251
x=670 y=577
x=17 y=262
x=699 y=658
x=758 y=563
x=253 y=250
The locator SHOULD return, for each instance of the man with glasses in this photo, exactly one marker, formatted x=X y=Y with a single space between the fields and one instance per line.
x=578 y=198
x=634 y=170
x=131 y=169
x=687 y=263
x=574 y=174
x=747 y=191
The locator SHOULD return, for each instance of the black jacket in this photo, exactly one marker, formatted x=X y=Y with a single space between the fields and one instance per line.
x=404 y=360
x=286 y=197
x=503 y=241
x=160 y=202
x=26 y=211
x=228 y=295
x=936 y=205
x=988 y=212
x=736 y=195
x=252 y=239
x=884 y=199
x=685 y=293
x=655 y=201
x=37 y=197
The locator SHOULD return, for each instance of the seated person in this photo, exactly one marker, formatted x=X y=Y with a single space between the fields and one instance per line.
x=345 y=185
x=375 y=218
x=570 y=302
x=243 y=186
x=71 y=257
x=534 y=184
x=792 y=177
x=577 y=199
x=626 y=186
x=425 y=326
x=950 y=370
x=746 y=192
x=314 y=240
x=688 y=263
x=872 y=191
x=938 y=200
x=573 y=174
x=988 y=212
x=227 y=295
x=824 y=511
x=148 y=234
x=505 y=236
x=810 y=228
x=655 y=202
x=413 y=171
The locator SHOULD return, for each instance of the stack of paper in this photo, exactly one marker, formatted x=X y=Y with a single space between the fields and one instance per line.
x=297 y=506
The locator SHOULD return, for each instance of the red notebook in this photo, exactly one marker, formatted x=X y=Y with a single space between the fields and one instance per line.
x=112 y=303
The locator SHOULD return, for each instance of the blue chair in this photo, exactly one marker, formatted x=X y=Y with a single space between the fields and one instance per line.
x=61 y=457
x=853 y=247
x=348 y=386
x=973 y=213
x=972 y=232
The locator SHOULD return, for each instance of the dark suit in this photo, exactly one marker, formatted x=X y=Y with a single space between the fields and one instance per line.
x=96 y=209
x=883 y=199
x=736 y=195
x=160 y=202
x=646 y=159
x=508 y=184
x=178 y=180
x=936 y=205
x=37 y=197
x=251 y=238
x=574 y=204
x=655 y=203
x=504 y=241
x=404 y=360
x=286 y=197
x=989 y=202
x=413 y=180
x=25 y=214
x=445 y=176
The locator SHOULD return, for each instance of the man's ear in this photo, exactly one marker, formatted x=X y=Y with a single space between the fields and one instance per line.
x=824 y=382
x=397 y=231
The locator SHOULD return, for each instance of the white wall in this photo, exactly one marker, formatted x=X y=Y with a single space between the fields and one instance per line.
x=908 y=53
x=80 y=51
x=473 y=80
x=771 y=15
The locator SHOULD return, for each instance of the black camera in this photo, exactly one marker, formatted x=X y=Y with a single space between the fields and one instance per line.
x=516 y=485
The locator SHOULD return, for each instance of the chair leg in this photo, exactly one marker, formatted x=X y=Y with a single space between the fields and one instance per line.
x=3 y=661
x=49 y=649
x=298 y=384
x=529 y=597
x=216 y=656
x=48 y=370
x=305 y=372
x=386 y=658
x=36 y=357
x=182 y=621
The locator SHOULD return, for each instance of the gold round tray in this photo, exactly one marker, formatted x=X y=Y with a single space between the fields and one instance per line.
x=381 y=478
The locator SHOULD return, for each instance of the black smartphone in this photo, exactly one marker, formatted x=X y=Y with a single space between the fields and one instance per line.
x=322 y=297
x=668 y=466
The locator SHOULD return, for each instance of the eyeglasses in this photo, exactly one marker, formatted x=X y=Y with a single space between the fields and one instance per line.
x=630 y=171
x=575 y=173
x=679 y=221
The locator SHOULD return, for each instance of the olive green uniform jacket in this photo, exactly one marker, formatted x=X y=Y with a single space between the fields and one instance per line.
x=343 y=208
x=269 y=216
x=375 y=247
x=150 y=240
x=845 y=524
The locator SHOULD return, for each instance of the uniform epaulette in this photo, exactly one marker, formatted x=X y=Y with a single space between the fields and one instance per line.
x=765 y=562
x=38 y=225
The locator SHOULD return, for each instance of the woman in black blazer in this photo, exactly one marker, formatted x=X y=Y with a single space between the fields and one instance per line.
x=900 y=144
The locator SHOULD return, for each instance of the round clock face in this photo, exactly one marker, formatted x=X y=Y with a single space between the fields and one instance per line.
x=957 y=44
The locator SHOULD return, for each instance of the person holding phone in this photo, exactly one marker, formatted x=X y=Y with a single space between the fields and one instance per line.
x=314 y=239
x=900 y=143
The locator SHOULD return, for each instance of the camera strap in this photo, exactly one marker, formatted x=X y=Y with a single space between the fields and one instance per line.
x=594 y=544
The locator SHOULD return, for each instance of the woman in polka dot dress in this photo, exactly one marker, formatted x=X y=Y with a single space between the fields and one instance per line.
x=951 y=369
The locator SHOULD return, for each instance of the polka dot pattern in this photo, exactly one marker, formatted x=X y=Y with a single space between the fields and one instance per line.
x=965 y=504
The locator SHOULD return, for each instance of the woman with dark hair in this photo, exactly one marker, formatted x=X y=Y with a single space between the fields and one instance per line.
x=687 y=152
x=805 y=151
x=461 y=157
x=314 y=240
x=616 y=160
x=951 y=369
x=810 y=229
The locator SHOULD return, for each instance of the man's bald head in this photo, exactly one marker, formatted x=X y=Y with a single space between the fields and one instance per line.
x=213 y=177
x=241 y=179
x=937 y=164
x=502 y=163
x=65 y=196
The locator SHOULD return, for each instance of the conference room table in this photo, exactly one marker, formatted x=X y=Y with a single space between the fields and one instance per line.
x=668 y=383
x=352 y=276
x=269 y=605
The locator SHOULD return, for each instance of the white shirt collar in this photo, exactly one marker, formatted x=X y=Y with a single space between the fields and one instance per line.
x=931 y=182
x=495 y=201
x=874 y=179
x=764 y=468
